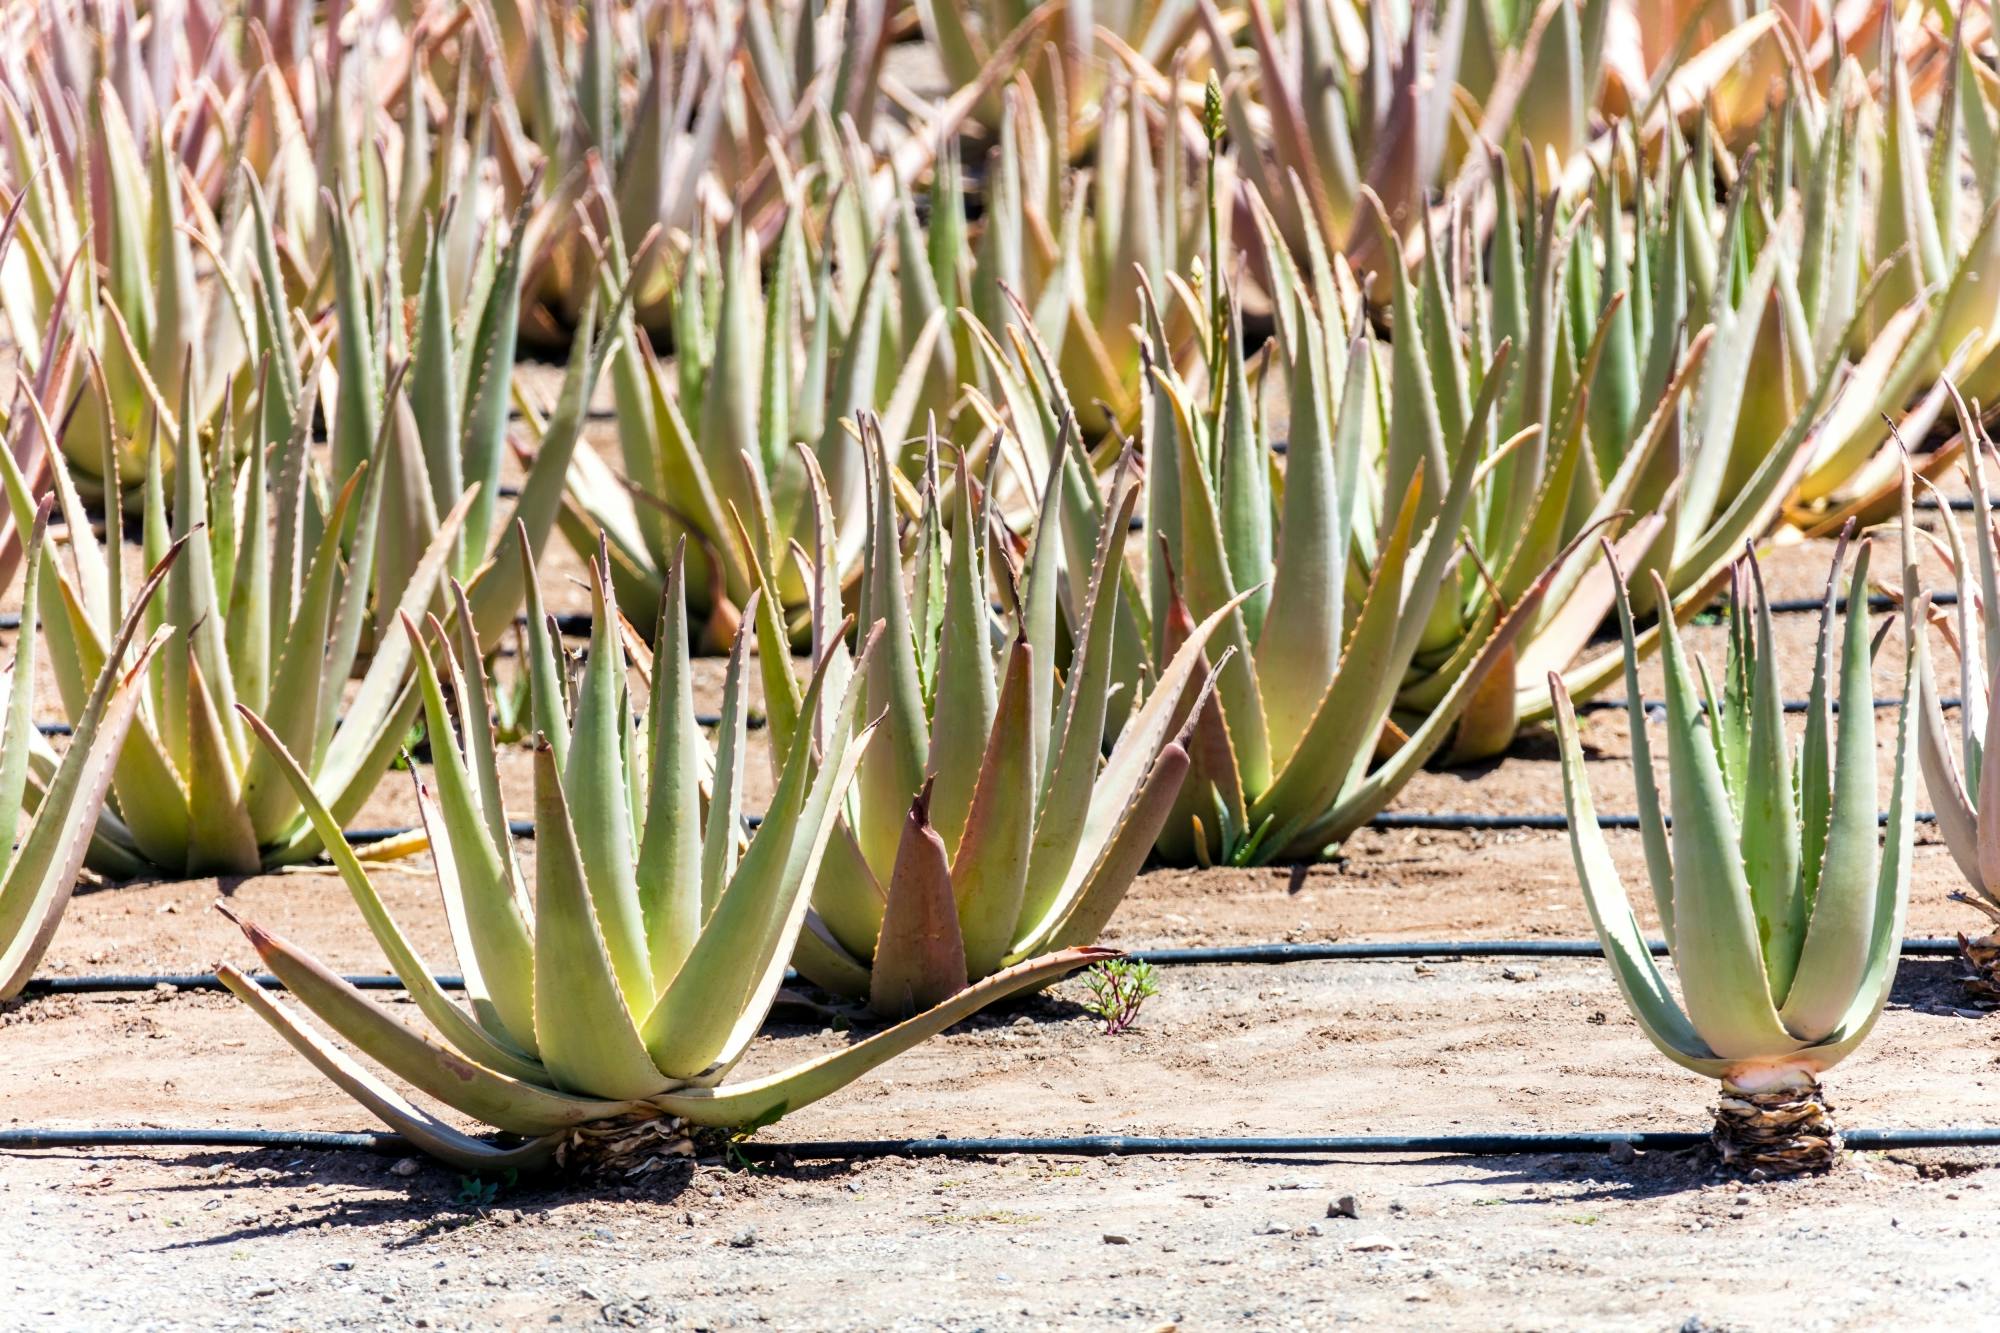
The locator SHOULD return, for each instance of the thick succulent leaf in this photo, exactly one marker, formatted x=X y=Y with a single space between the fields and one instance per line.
x=722 y=835
x=220 y=838
x=1835 y=953
x=518 y=1106
x=669 y=872
x=1299 y=650
x=583 y=1023
x=762 y=1100
x=1723 y=981
x=426 y=1131
x=990 y=866
x=1625 y=948
x=893 y=769
x=919 y=955
x=1891 y=900
x=1098 y=896
x=490 y=929
x=1065 y=803
x=18 y=738
x=44 y=868
x=451 y=1022
x=1770 y=817
x=720 y=996
x=1956 y=819
x=963 y=712
x=595 y=781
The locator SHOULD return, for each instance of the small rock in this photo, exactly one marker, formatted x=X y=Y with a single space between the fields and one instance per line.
x=1113 y=1238
x=405 y=1167
x=1623 y=1153
x=1274 y=1229
x=342 y=1265
x=1371 y=1244
x=1344 y=1206
x=1313 y=1229
x=744 y=1239
x=1024 y=1022
x=1520 y=973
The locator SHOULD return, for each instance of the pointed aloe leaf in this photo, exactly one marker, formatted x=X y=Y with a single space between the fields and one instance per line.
x=1064 y=805
x=760 y=1101
x=451 y=1022
x=990 y=866
x=919 y=955
x=1834 y=953
x=1652 y=822
x=719 y=997
x=1625 y=948
x=1716 y=949
x=1770 y=818
x=489 y=930
x=583 y=1022
x=426 y=1131
x=894 y=768
x=963 y=713
x=1299 y=650
x=669 y=873
x=724 y=830
x=516 y=1105
x=18 y=738
x=595 y=780
x=43 y=870
x=220 y=838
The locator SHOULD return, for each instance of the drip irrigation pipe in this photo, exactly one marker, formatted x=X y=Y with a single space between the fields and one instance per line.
x=1205 y=955
x=1442 y=821
x=1087 y=1145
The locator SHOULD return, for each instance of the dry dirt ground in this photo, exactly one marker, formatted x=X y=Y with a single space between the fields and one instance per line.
x=211 y=1239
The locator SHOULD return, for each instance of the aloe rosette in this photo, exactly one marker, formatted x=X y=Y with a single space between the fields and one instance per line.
x=618 y=990
x=49 y=805
x=996 y=815
x=1332 y=583
x=1783 y=915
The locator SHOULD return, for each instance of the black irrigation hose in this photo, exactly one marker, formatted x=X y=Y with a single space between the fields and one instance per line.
x=1205 y=955
x=1361 y=950
x=1456 y=821
x=1086 y=1145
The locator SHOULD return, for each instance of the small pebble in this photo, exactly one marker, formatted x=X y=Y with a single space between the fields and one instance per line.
x=1113 y=1238
x=744 y=1239
x=405 y=1167
x=1623 y=1153
x=1344 y=1206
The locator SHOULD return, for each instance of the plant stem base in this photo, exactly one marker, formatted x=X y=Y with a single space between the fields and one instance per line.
x=1779 y=1132
x=626 y=1148
x=1982 y=960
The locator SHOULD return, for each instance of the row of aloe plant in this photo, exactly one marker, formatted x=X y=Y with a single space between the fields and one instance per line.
x=1436 y=492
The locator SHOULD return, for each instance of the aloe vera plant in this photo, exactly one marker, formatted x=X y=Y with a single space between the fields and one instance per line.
x=988 y=823
x=1335 y=580
x=50 y=805
x=708 y=441
x=1964 y=788
x=1782 y=913
x=1927 y=311
x=617 y=991
x=283 y=579
x=1672 y=392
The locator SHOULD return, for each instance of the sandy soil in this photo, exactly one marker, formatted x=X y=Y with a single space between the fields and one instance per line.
x=293 y=1240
